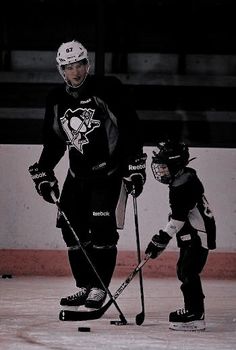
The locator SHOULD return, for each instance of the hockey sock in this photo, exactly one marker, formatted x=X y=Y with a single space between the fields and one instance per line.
x=104 y=259
x=80 y=267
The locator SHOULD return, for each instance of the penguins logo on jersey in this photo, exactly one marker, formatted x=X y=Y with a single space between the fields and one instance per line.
x=77 y=125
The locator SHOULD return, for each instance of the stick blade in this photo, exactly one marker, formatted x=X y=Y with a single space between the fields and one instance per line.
x=140 y=318
x=70 y=315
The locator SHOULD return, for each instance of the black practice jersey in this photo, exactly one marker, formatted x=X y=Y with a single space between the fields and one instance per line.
x=189 y=204
x=96 y=122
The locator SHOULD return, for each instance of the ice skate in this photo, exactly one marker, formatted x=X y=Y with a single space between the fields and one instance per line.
x=183 y=320
x=76 y=299
x=95 y=298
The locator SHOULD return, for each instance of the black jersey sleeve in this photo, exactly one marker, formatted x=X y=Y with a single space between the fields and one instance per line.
x=54 y=146
x=120 y=102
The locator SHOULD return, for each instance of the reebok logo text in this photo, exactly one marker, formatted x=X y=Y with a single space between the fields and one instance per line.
x=37 y=176
x=137 y=167
x=101 y=213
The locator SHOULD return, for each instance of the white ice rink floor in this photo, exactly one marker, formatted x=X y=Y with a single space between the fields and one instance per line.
x=29 y=309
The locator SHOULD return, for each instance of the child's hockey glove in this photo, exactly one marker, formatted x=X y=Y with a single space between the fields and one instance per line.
x=45 y=182
x=158 y=244
x=136 y=175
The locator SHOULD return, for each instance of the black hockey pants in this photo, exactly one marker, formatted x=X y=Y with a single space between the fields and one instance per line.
x=92 y=207
x=192 y=260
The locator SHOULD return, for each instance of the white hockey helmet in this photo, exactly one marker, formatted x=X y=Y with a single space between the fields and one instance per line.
x=70 y=52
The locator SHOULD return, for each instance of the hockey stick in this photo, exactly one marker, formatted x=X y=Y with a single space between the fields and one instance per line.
x=69 y=315
x=121 y=315
x=139 y=317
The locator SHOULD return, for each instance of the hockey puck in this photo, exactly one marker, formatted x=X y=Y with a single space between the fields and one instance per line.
x=84 y=329
x=117 y=323
x=7 y=276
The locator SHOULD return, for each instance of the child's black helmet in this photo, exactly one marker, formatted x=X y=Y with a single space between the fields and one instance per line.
x=175 y=155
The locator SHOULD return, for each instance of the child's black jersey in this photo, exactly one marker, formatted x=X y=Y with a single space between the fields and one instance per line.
x=189 y=204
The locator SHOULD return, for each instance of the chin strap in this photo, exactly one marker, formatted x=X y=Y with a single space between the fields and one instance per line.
x=72 y=90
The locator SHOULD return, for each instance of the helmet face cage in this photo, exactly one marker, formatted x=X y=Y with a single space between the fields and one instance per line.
x=68 y=53
x=167 y=163
x=161 y=172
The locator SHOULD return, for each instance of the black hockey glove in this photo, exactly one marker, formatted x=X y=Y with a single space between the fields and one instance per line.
x=158 y=244
x=45 y=182
x=134 y=185
x=136 y=175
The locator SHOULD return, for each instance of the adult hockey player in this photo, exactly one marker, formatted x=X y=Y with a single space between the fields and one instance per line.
x=192 y=221
x=93 y=118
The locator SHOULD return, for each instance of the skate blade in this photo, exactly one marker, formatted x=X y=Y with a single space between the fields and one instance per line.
x=87 y=309
x=69 y=307
x=188 y=326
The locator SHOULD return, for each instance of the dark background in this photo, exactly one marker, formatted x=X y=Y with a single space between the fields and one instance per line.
x=173 y=27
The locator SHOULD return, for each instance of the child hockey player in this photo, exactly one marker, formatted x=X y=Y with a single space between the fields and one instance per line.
x=192 y=222
x=93 y=118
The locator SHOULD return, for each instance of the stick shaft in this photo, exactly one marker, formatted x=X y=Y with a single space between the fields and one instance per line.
x=139 y=317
